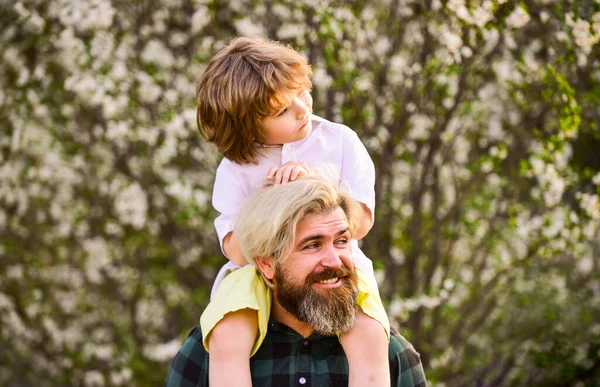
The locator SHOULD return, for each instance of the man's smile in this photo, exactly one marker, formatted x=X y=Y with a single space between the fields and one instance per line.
x=328 y=278
x=331 y=282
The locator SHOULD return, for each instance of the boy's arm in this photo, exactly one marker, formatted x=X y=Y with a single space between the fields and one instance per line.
x=365 y=223
x=366 y=347
x=358 y=175
x=228 y=194
x=231 y=342
x=231 y=248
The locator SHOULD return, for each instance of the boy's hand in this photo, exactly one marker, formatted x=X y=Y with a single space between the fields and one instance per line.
x=289 y=171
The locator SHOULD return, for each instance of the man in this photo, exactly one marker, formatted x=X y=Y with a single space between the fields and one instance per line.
x=298 y=235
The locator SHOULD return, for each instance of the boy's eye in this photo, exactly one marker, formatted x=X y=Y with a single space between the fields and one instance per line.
x=282 y=112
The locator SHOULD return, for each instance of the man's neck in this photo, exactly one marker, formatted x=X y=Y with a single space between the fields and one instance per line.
x=280 y=314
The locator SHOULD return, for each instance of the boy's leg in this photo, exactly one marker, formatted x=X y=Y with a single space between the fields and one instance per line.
x=230 y=343
x=366 y=346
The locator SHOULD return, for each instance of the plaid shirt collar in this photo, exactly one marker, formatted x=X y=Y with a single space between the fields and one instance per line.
x=277 y=326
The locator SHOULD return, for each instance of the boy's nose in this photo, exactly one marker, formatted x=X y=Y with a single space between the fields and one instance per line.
x=302 y=110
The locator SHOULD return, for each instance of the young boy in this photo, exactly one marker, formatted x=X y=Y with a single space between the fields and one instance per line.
x=254 y=103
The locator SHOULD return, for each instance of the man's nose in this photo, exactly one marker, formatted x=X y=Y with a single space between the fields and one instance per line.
x=331 y=257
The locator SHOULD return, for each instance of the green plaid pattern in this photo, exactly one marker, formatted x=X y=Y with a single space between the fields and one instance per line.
x=287 y=359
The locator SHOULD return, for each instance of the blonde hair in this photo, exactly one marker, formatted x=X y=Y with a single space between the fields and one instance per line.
x=242 y=85
x=267 y=221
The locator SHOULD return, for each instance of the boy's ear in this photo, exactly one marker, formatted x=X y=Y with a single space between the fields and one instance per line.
x=266 y=266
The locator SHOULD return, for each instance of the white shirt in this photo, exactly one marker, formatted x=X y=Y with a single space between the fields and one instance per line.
x=328 y=142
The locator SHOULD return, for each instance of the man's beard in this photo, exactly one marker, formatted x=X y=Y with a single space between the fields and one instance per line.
x=328 y=311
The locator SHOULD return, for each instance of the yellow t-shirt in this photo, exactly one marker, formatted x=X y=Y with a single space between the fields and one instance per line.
x=245 y=288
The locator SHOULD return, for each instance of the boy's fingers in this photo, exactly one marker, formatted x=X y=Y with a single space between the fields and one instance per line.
x=278 y=175
x=306 y=170
x=295 y=173
x=289 y=171
x=302 y=172
x=271 y=172
x=287 y=174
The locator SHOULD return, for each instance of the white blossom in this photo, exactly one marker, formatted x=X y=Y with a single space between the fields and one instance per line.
x=98 y=351
x=553 y=194
x=420 y=127
x=71 y=49
x=163 y=351
x=596 y=24
x=98 y=258
x=246 y=27
x=363 y=83
x=290 y=31
x=518 y=18
x=583 y=35
x=181 y=190
x=131 y=206
x=200 y=19
x=83 y=15
x=5 y=302
x=150 y=92
x=94 y=378
x=157 y=53
x=87 y=87
x=101 y=49
x=121 y=377
x=452 y=41
x=590 y=203
x=460 y=9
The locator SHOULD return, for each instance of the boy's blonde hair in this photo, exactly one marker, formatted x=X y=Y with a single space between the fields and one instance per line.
x=267 y=221
x=243 y=84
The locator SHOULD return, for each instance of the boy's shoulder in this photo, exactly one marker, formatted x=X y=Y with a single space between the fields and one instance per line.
x=329 y=124
x=335 y=128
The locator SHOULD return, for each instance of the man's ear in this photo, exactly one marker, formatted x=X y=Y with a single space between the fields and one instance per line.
x=266 y=266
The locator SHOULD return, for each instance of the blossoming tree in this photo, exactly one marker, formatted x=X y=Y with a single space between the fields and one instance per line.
x=481 y=117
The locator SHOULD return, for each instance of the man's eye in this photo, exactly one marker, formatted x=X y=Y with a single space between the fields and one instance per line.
x=311 y=246
x=342 y=241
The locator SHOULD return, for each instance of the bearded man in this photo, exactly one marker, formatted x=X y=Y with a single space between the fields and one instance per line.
x=298 y=237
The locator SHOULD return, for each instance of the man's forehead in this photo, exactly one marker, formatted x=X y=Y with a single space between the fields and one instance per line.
x=330 y=222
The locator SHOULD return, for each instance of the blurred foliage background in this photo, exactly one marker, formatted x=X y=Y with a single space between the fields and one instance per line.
x=482 y=119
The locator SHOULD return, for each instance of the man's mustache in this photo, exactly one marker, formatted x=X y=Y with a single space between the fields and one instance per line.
x=340 y=272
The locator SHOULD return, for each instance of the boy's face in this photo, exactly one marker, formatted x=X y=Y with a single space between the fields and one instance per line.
x=292 y=123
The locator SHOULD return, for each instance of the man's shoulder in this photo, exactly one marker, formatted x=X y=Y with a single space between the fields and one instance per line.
x=405 y=362
x=399 y=346
x=190 y=366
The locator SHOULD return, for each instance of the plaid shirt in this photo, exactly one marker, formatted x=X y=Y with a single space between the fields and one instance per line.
x=287 y=359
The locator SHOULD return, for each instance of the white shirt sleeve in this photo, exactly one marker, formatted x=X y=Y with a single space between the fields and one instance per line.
x=228 y=195
x=358 y=170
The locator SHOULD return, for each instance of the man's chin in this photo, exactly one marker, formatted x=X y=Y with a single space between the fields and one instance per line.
x=327 y=307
